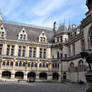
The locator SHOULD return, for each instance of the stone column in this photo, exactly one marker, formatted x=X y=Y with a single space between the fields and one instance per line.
x=49 y=77
x=4 y=49
x=16 y=50
x=25 y=76
x=37 y=52
x=13 y=75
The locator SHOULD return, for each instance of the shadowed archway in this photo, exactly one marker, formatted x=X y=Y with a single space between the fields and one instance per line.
x=6 y=74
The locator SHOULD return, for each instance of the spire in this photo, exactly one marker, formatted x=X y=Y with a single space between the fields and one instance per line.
x=69 y=28
x=54 y=26
x=1 y=16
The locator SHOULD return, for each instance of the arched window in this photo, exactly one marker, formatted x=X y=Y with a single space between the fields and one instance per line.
x=20 y=63
x=7 y=63
x=72 y=67
x=4 y=63
x=11 y=63
x=16 y=64
x=24 y=63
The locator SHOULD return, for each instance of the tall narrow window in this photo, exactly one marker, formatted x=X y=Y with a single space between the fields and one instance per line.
x=19 y=51
x=40 y=52
x=60 y=38
x=57 y=39
x=8 y=50
x=58 y=54
x=1 y=49
x=34 y=52
x=23 y=52
x=44 y=56
x=30 y=52
x=12 y=50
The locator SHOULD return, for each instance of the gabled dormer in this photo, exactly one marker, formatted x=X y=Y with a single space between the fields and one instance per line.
x=22 y=35
x=43 y=37
x=2 y=32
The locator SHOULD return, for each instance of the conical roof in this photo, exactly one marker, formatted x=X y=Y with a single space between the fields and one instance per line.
x=62 y=29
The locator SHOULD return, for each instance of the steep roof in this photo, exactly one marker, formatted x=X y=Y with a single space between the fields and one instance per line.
x=62 y=29
x=33 y=32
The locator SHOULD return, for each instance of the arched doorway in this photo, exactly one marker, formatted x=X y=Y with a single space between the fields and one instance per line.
x=19 y=75
x=6 y=74
x=55 y=76
x=43 y=76
x=31 y=76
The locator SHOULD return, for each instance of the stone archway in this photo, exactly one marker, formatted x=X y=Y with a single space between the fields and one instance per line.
x=55 y=76
x=31 y=76
x=19 y=75
x=43 y=76
x=6 y=74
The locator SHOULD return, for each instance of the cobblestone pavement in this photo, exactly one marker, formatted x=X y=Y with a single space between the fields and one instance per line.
x=41 y=87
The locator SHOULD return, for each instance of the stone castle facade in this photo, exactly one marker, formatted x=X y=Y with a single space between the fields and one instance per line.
x=44 y=54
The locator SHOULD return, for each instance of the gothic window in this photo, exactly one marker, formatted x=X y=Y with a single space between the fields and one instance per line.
x=42 y=38
x=22 y=35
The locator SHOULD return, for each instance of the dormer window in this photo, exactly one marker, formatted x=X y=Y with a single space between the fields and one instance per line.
x=42 y=37
x=22 y=35
x=2 y=32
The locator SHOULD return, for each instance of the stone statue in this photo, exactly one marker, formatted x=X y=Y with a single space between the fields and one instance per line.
x=89 y=4
x=88 y=58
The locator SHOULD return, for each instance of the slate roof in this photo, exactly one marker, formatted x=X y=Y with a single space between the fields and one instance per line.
x=62 y=29
x=33 y=32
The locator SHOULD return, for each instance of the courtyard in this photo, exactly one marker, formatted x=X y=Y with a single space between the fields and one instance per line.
x=41 y=87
